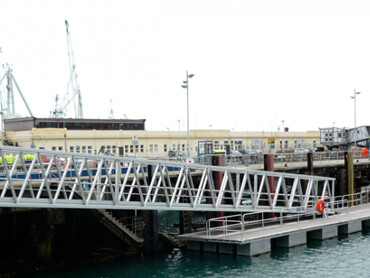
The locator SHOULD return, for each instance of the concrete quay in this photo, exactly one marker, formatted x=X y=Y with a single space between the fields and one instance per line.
x=251 y=242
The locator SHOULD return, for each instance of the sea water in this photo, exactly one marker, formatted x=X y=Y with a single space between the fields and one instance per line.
x=345 y=256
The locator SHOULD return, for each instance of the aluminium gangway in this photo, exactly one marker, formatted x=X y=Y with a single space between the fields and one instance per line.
x=52 y=179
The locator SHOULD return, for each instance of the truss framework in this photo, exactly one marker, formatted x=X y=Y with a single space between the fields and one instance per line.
x=40 y=178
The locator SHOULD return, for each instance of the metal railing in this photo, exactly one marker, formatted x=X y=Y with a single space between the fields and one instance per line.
x=223 y=226
x=256 y=160
x=75 y=180
x=236 y=225
x=284 y=159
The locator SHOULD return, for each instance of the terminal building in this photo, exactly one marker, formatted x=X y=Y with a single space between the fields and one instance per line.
x=345 y=138
x=128 y=137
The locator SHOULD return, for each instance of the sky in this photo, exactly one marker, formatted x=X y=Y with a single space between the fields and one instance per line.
x=258 y=65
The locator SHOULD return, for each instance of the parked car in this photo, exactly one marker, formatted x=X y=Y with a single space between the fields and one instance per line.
x=175 y=153
x=246 y=199
x=302 y=150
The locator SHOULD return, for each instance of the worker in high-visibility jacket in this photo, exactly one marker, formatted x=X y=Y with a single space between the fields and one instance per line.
x=9 y=158
x=28 y=157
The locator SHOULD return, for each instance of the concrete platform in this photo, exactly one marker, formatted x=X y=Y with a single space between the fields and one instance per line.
x=294 y=239
x=323 y=233
x=257 y=241
x=351 y=227
x=254 y=248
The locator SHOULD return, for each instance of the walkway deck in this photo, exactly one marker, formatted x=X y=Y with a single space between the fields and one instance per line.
x=258 y=240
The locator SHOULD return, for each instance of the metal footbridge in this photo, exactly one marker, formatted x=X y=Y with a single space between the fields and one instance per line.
x=51 y=179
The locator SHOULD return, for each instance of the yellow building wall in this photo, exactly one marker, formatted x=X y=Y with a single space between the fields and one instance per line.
x=158 y=143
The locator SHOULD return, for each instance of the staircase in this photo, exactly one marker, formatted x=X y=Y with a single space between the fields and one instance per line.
x=116 y=227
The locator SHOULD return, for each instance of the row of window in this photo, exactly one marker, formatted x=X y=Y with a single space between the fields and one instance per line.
x=153 y=148
x=110 y=149
x=78 y=149
x=97 y=126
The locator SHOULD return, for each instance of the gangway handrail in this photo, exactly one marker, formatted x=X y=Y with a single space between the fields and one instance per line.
x=110 y=182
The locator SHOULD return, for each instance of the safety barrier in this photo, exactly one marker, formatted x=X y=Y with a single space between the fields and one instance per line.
x=74 y=180
x=222 y=227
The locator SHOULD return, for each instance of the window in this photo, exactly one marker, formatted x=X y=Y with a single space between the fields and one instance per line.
x=89 y=149
x=217 y=146
x=126 y=148
x=53 y=148
x=71 y=149
x=238 y=144
x=151 y=148
x=84 y=149
x=272 y=145
x=183 y=147
x=156 y=148
x=141 y=148
x=60 y=148
x=137 y=148
x=131 y=148
x=165 y=148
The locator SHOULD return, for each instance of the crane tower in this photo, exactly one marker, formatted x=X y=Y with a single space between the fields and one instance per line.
x=76 y=93
x=73 y=87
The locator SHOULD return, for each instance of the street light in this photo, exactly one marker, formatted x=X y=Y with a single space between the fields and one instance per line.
x=186 y=86
x=354 y=99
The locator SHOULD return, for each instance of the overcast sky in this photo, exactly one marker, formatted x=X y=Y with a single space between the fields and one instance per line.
x=256 y=63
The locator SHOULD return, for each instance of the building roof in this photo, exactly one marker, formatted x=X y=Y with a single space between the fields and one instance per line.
x=27 y=123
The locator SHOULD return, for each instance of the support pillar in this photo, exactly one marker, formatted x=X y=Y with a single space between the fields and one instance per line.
x=268 y=165
x=150 y=218
x=310 y=163
x=343 y=182
x=219 y=160
x=348 y=156
x=185 y=222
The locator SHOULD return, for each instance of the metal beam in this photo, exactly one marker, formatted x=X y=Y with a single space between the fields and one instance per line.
x=107 y=182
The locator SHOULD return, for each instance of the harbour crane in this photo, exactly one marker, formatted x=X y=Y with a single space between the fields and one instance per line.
x=73 y=87
x=10 y=107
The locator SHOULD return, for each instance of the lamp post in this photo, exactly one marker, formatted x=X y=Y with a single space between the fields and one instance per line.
x=186 y=86
x=354 y=100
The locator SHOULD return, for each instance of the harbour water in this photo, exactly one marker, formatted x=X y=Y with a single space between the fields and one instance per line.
x=346 y=256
